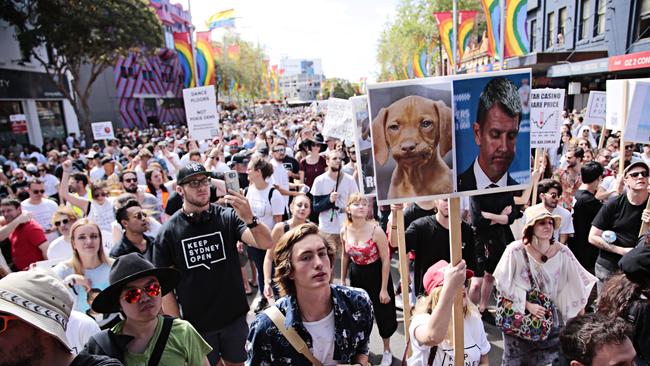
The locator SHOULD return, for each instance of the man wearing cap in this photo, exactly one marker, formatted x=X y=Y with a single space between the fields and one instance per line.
x=144 y=336
x=636 y=267
x=621 y=215
x=34 y=312
x=200 y=241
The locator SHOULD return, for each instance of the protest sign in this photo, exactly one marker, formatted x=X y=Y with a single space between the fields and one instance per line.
x=504 y=162
x=18 y=124
x=546 y=107
x=338 y=121
x=596 y=108
x=411 y=133
x=619 y=92
x=103 y=130
x=637 y=128
x=201 y=112
x=363 y=145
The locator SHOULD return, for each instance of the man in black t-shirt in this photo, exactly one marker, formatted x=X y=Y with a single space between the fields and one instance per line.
x=429 y=237
x=200 y=241
x=585 y=208
x=622 y=215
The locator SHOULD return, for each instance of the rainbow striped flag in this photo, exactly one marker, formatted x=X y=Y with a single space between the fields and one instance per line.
x=516 y=33
x=493 y=18
x=466 y=21
x=446 y=30
x=204 y=59
x=221 y=19
x=184 y=50
x=275 y=90
x=420 y=61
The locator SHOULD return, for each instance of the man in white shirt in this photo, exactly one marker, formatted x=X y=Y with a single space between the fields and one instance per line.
x=549 y=191
x=330 y=197
x=42 y=209
x=280 y=175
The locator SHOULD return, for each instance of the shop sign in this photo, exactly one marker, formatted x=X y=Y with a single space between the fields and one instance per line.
x=638 y=60
x=18 y=124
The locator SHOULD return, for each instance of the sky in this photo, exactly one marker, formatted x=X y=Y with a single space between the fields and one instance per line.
x=343 y=33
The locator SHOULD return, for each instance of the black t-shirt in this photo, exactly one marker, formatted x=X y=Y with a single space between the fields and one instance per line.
x=211 y=290
x=585 y=209
x=414 y=212
x=86 y=359
x=623 y=218
x=430 y=241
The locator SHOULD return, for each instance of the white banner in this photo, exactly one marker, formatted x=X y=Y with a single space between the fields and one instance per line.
x=596 y=108
x=102 y=130
x=637 y=128
x=363 y=145
x=201 y=112
x=616 y=98
x=546 y=107
x=339 y=121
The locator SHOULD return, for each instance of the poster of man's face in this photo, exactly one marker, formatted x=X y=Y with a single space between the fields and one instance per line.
x=411 y=131
x=492 y=124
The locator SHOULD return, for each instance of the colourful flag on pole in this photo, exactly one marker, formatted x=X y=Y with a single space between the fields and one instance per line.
x=184 y=50
x=446 y=30
x=363 y=85
x=466 y=20
x=516 y=32
x=233 y=52
x=493 y=19
x=420 y=58
x=221 y=19
x=204 y=59
x=274 y=78
x=218 y=52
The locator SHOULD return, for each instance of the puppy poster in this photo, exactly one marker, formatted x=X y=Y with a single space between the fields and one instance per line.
x=412 y=143
x=492 y=124
x=363 y=145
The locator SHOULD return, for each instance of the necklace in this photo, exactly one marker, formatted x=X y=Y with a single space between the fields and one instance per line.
x=544 y=257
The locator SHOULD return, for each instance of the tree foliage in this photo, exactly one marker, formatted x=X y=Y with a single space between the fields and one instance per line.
x=414 y=25
x=248 y=70
x=71 y=36
x=338 y=88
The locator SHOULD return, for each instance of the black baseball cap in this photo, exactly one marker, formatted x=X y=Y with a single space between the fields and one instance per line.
x=190 y=170
x=636 y=266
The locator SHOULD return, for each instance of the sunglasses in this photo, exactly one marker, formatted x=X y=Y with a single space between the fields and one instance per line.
x=629 y=147
x=100 y=194
x=553 y=195
x=130 y=180
x=279 y=150
x=198 y=183
x=62 y=222
x=38 y=191
x=140 y=215
x=644 y=174
x=4 y=321
x=135 y=294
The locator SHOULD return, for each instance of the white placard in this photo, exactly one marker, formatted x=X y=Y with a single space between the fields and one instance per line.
x=596 y=108
x=546 y=107
x=339 y=121
x=103 y=130
x=201 y=112
x=637 y=128
x=616 y=91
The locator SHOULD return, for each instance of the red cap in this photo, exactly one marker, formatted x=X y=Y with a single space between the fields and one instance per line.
x=435 y=276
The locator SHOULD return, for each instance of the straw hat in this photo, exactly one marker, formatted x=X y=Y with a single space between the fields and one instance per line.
x=539 y=212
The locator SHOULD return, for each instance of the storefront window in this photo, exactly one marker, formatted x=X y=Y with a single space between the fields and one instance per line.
x=50 y=117
x=7 y=108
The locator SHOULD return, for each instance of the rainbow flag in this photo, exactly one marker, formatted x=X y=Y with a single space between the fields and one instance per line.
x=493 y=19
x=516 y=33
x=204 y=59
x=446 y=30
x=221 y=19
x=184 y=50
x=466 y=20
x=420 y=62
x=275 y=90
x=363 y=85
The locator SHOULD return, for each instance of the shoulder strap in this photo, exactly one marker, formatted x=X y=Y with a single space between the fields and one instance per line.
x=286 y=226
x=271 y=193
x=530 y=273
x=161 y=342
x=290 y=334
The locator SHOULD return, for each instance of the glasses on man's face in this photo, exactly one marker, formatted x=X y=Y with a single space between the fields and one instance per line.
x=130 y=180
x=4 y=321
x=199 y=183
x=635 y=175
x=140 y=215
x=135 y=294
x=279 y=149
x=629 y=147
x=62 y=222
x=553 y=195
x=38 y=191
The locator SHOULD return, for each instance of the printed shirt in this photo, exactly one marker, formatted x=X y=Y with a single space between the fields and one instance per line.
x=353 y=319
x=569 y=187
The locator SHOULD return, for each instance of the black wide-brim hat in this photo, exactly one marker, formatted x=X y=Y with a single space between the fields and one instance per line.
x=128 y=268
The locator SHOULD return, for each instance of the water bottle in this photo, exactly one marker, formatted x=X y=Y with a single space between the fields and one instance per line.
x=609 y=236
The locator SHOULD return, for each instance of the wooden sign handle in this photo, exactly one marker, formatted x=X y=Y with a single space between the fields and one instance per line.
x=398 y=217
x=456 y=250
x=533 y=199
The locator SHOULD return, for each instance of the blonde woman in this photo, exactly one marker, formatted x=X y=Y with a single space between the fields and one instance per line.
x=63 y=219
x=430 y=329
x=88 y=269
x=367 y=257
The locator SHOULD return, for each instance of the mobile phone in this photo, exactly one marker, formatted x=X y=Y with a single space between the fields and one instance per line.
x=232 y=180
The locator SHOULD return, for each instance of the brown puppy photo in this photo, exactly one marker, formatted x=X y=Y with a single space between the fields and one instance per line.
x=416 y=132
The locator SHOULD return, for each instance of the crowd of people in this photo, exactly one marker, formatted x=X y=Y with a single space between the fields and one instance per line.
x=142 y=251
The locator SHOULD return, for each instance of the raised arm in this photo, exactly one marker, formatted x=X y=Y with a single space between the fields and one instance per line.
x=64 y=192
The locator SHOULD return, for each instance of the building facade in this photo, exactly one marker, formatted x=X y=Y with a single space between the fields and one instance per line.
x=141 y=90
x=301 y=80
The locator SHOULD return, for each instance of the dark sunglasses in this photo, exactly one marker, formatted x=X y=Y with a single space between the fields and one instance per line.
x=135 y=294
x=4 y=321
x=644 y=174
x=140 y=215
x=629 y=147
x=37 y=191
x=130 y=180
x=553 y=195
x=41 y=170
x=100 y=194
x=62 y=222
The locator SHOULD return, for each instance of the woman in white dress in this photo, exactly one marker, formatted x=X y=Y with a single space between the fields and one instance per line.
x=558 y=274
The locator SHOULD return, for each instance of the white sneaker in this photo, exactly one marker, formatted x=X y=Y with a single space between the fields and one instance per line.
x=387 y=359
